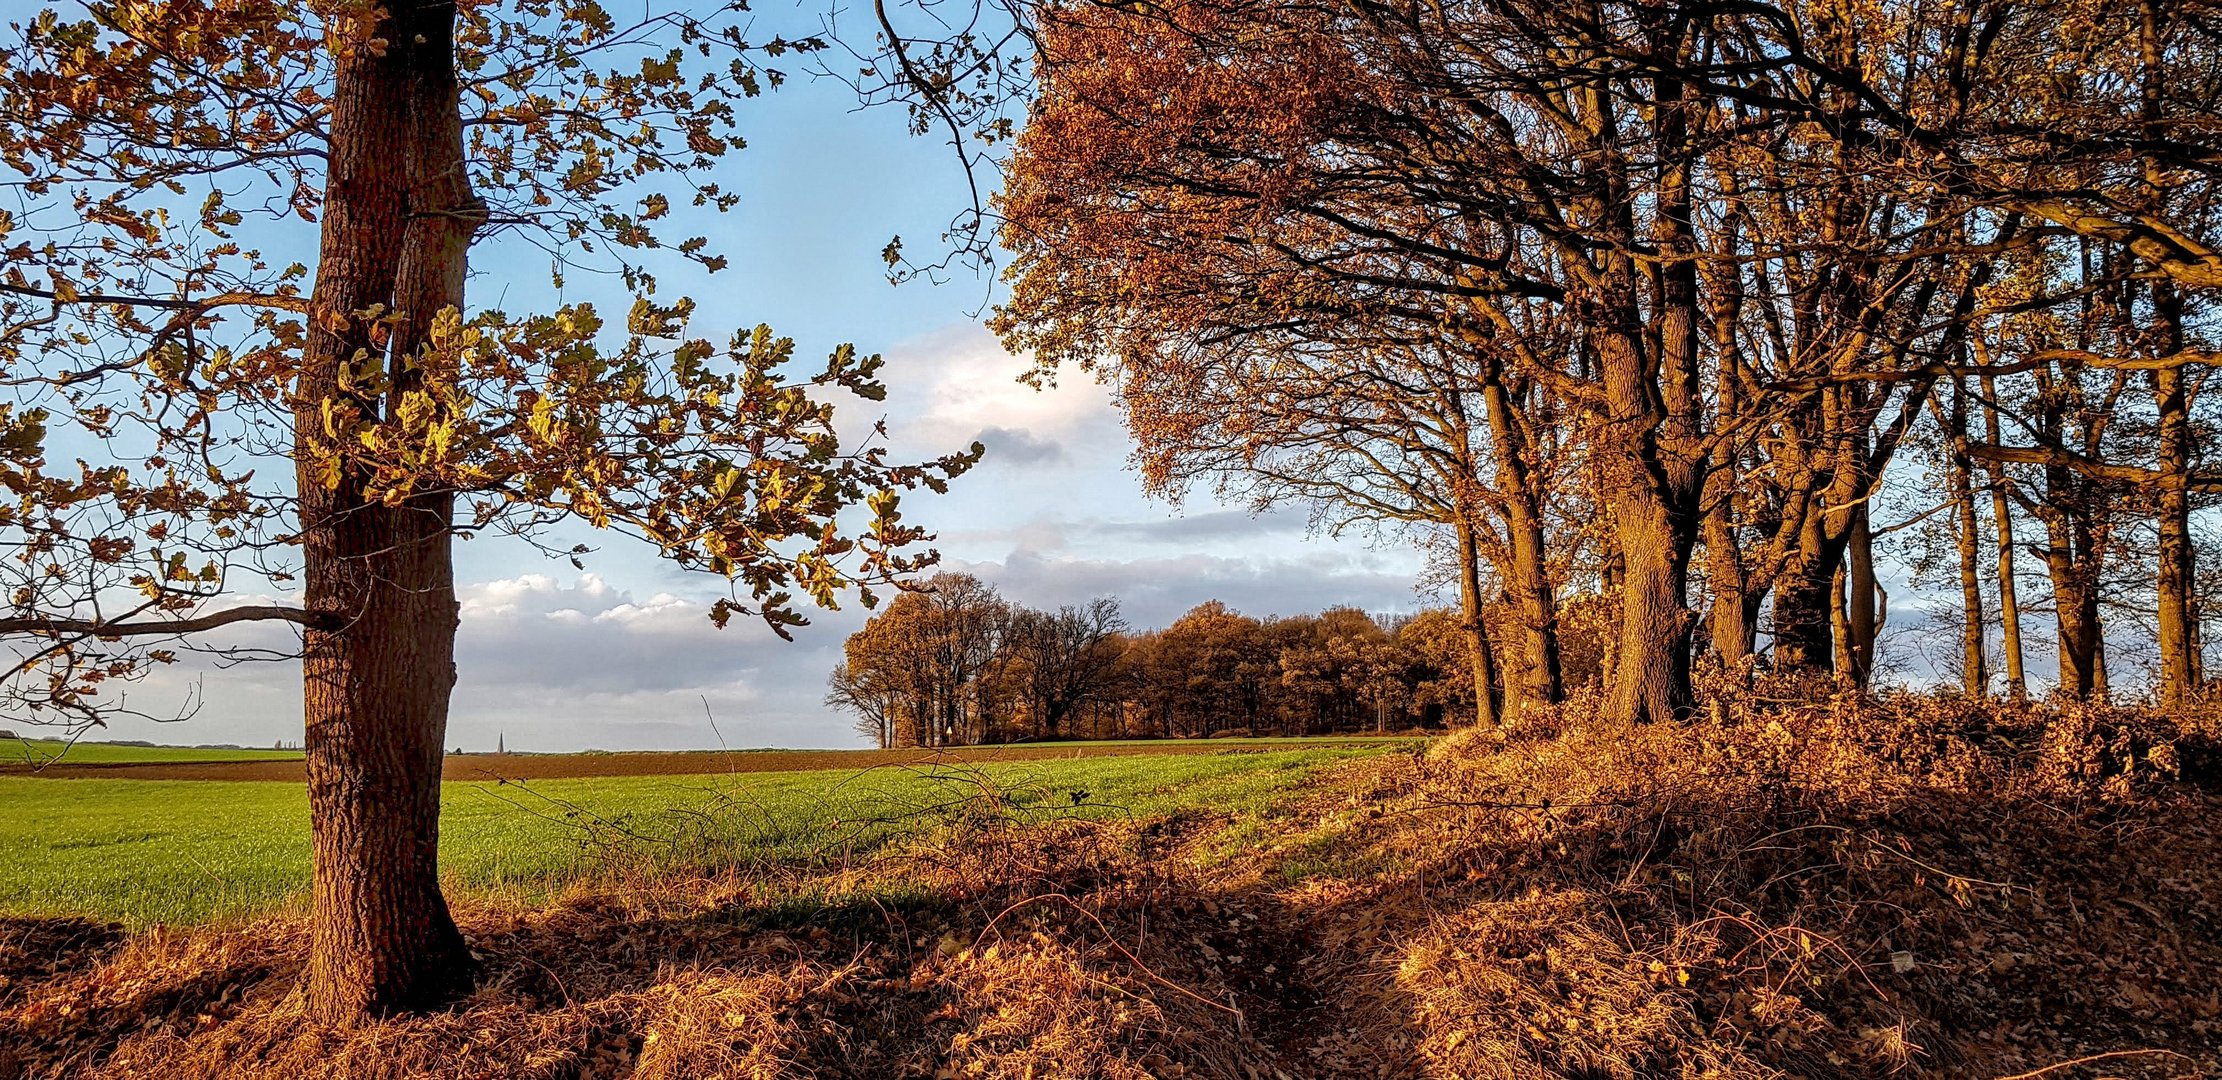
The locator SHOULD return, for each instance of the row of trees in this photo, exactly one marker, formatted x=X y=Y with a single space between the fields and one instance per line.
x=955 y=664
x=1667 y=308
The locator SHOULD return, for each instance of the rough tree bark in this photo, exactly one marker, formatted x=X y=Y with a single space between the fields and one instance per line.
x=1863 y=608
x=1655 y=517
x=1806 y=605
x=2071 y=559
x=1806 y=608
x=1968 y=538
x=1649 y=372
x=1732 y=622
x=1477 y=634
x=398 y=219
x=1535 y=678
x=2180 y=669
x=2002 y=523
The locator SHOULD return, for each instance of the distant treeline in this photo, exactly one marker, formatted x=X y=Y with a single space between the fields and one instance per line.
x=959 y=665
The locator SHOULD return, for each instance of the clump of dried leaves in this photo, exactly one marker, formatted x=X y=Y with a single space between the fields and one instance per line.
x=1798 y=883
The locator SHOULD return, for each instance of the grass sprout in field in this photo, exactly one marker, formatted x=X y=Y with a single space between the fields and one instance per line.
x=184 y=851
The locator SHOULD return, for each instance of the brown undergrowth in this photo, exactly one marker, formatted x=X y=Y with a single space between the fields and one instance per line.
x=1813 y=885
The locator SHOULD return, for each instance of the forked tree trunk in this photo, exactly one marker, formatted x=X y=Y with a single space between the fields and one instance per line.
x=1539 y=677
x=378 y=673
x=1731 y=623
x=1534 y=676
x=376 y=698
x=1805 y=605
x=1658 y=406
x=1655 y=490
x=2070 y=511
x=2181 y=669
x=1655 y=495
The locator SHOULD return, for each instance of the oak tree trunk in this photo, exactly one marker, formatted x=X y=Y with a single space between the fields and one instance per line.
x=1477 y=634
x=1731 y=622
x=2002 y=523
x=2180 y=669
x=1968 y=539
x=378 y=670
x=2071 y=563
x=1862 y=595
x=1730 y=628
x=909 y=724
x=1534 y=677
x=1652 y=678
x=1805 y=599
x=1540 y=679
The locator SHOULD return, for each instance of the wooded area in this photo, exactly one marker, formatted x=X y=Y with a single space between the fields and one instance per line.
x=1669 y=307
x=955 y=664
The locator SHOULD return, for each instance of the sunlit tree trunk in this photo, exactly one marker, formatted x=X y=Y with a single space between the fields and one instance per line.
x=1731 y=620
x=1968 y=539
x=2180 y=667
x=398 y=221
x=1477 y=633
x=1534 y=677
x=1654 y=523
x=1805 y=598
x=1862 y=600
x=2002 y=524
x=2071 y=561
x=1840 y=623
x=1648 y=368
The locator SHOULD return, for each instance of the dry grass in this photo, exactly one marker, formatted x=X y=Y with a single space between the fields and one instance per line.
x=1835 y=888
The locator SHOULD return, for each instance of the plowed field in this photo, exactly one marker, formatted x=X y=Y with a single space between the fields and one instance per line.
x=554 y=766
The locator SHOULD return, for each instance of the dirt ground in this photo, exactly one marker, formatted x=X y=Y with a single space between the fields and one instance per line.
x=562 y=766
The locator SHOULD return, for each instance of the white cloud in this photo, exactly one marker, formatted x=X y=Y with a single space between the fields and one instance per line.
x=957 y=385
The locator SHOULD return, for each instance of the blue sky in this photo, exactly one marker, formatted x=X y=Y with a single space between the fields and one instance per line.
x=622 y=655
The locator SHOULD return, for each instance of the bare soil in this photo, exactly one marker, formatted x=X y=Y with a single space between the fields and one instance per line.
x=678 y=763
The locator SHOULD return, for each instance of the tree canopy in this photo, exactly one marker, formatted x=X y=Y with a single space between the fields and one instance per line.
x=239 y=237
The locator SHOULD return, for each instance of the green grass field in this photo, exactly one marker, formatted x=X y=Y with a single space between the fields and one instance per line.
x=184 y=851
x=15 y=751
